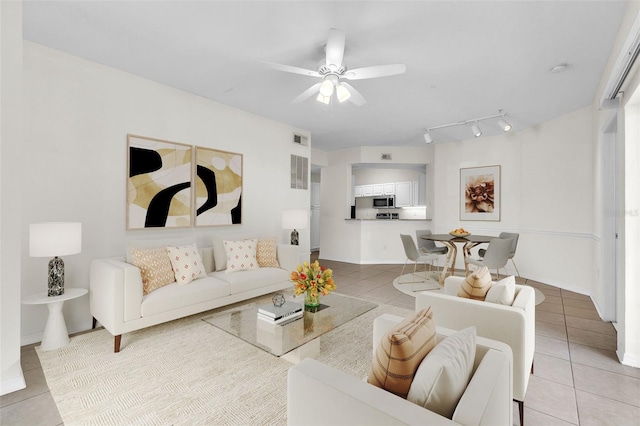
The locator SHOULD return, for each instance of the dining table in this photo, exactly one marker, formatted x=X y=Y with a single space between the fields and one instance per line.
x=468 y=241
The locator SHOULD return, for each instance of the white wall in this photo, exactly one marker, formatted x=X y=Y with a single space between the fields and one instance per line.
x=77 y=116
x=11 y=378
x=546 y=196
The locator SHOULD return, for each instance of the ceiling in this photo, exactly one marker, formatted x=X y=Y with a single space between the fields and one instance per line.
x=465 y=59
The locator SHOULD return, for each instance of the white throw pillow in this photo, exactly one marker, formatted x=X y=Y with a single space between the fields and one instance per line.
x=444 y=373
x=241 y=255
x=186 y=263
x=503 y=292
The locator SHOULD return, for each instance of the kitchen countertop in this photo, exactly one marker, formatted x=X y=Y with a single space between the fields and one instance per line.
x=386 y=220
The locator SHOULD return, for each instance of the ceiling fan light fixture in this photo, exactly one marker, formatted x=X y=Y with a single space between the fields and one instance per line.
x=342 y=93
x=504 y=125
x=324 y=99
x=475 y=129
x=326 y=88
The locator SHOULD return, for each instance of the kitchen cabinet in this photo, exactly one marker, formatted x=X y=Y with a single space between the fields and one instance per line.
x=389 y=188
x=358 y=191
x=404 y=192
x=378 y=189
x=367 y=190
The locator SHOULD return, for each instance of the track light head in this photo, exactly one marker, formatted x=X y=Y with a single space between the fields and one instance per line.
x=504 y=125
x=476 y=131
x=427 y=138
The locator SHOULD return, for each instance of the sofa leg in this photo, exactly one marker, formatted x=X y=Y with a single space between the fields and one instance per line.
x=532 y=363
x=93 y=325
x=116 y=343
x=521 y=410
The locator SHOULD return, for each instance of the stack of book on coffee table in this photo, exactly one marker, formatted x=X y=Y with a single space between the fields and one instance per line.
x=288 y=312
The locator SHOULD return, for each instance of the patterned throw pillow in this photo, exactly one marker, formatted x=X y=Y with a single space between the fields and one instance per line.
x=267 y=253
x=476 y=285
x=241 y=255
x=155 y=268
x=401 y=351
x=186 y=263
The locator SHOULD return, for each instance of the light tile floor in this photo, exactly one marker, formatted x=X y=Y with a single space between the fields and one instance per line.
x=578 y=379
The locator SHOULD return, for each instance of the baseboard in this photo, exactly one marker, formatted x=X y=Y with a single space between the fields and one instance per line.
x=12 y=385
x=628 y=359
x=29 y=339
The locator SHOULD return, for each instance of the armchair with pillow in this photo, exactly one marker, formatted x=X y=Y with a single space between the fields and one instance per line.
x=461 y=379
x=502 y=311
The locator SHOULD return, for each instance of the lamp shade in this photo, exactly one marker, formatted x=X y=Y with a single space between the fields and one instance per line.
x=295 y=219
x=55 y=239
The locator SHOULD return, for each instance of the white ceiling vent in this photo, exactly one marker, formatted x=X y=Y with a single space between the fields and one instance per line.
x=385 y=157
x=623 y=65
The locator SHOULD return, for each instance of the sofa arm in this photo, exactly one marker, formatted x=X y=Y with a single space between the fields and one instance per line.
x=347 y=400
x=288 y=256
x=488 y=397
x=115 y=293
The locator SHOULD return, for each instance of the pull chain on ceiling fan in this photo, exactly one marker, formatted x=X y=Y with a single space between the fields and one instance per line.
x=333 y=71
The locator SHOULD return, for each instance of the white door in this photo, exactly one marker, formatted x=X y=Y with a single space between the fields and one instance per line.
x=315 y=216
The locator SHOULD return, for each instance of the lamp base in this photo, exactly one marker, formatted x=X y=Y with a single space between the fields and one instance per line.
x=294 y=238
x=56 y=277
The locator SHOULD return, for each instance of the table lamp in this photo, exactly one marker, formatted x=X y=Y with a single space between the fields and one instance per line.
x=55 y=239
x=295 y=219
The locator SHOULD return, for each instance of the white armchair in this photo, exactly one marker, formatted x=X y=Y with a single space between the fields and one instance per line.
x=352 y=401
x=513 y=325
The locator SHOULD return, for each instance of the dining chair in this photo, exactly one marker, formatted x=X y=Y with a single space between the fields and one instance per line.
x=412 y=253
x=506 y=235
x=428 y=246
x=496 y=255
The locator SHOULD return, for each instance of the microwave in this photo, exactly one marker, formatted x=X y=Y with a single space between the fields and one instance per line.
x=384 y=202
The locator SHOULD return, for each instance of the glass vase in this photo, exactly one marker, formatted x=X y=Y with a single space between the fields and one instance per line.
x=311 y=300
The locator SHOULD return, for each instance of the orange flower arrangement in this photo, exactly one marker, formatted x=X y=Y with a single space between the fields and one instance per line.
x=314 y=280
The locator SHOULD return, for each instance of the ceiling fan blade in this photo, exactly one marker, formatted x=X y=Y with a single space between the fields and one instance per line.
x=307 y=93
x=335 y=47
x=356 y=98
x=294 y=70
x=375 y=71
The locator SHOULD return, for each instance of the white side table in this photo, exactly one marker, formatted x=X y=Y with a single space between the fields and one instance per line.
x=55 y=333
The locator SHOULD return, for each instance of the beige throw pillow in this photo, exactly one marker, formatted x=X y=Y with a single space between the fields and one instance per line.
x=444 y=373
x=503 y=292
x=155 y=268
x=186 y=263
x=476 y=285
x=400 y=352
x=267 y=253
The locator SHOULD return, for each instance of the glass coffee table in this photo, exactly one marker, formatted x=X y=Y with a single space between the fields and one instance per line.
x=294 y=340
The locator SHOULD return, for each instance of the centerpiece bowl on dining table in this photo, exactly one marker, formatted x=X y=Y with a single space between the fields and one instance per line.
x=459 y=234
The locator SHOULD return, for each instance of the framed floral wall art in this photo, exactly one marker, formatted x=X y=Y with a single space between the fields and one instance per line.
x=218 y=187
x=480 y=193
x=158 y=183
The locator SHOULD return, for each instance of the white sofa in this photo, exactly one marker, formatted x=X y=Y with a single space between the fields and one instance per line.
x=116 y=298
x=513 y=325
x=347 y=400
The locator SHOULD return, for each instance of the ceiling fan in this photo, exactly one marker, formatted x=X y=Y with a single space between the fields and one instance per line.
x=333 y=72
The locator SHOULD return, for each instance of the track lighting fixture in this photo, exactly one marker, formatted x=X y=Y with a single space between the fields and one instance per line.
x=504 y=125
x=475 y=128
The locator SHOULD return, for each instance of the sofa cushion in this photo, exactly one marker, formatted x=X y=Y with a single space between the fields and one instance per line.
x=400 y=352
x=175 y=296
x=503 y=292
x=241 y=255
x=476 y=285
x=155 y=268
x=444 y=374
x=267 y=252
x=219 y=255
x=186 y=263
x=250 y=280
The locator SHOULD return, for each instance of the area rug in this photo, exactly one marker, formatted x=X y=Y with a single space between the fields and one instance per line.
x=411 y=284
x=187 y=372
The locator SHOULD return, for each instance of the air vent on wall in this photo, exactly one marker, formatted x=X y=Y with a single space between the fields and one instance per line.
x=623 y=65
x=385 y=157
x=299 y=139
